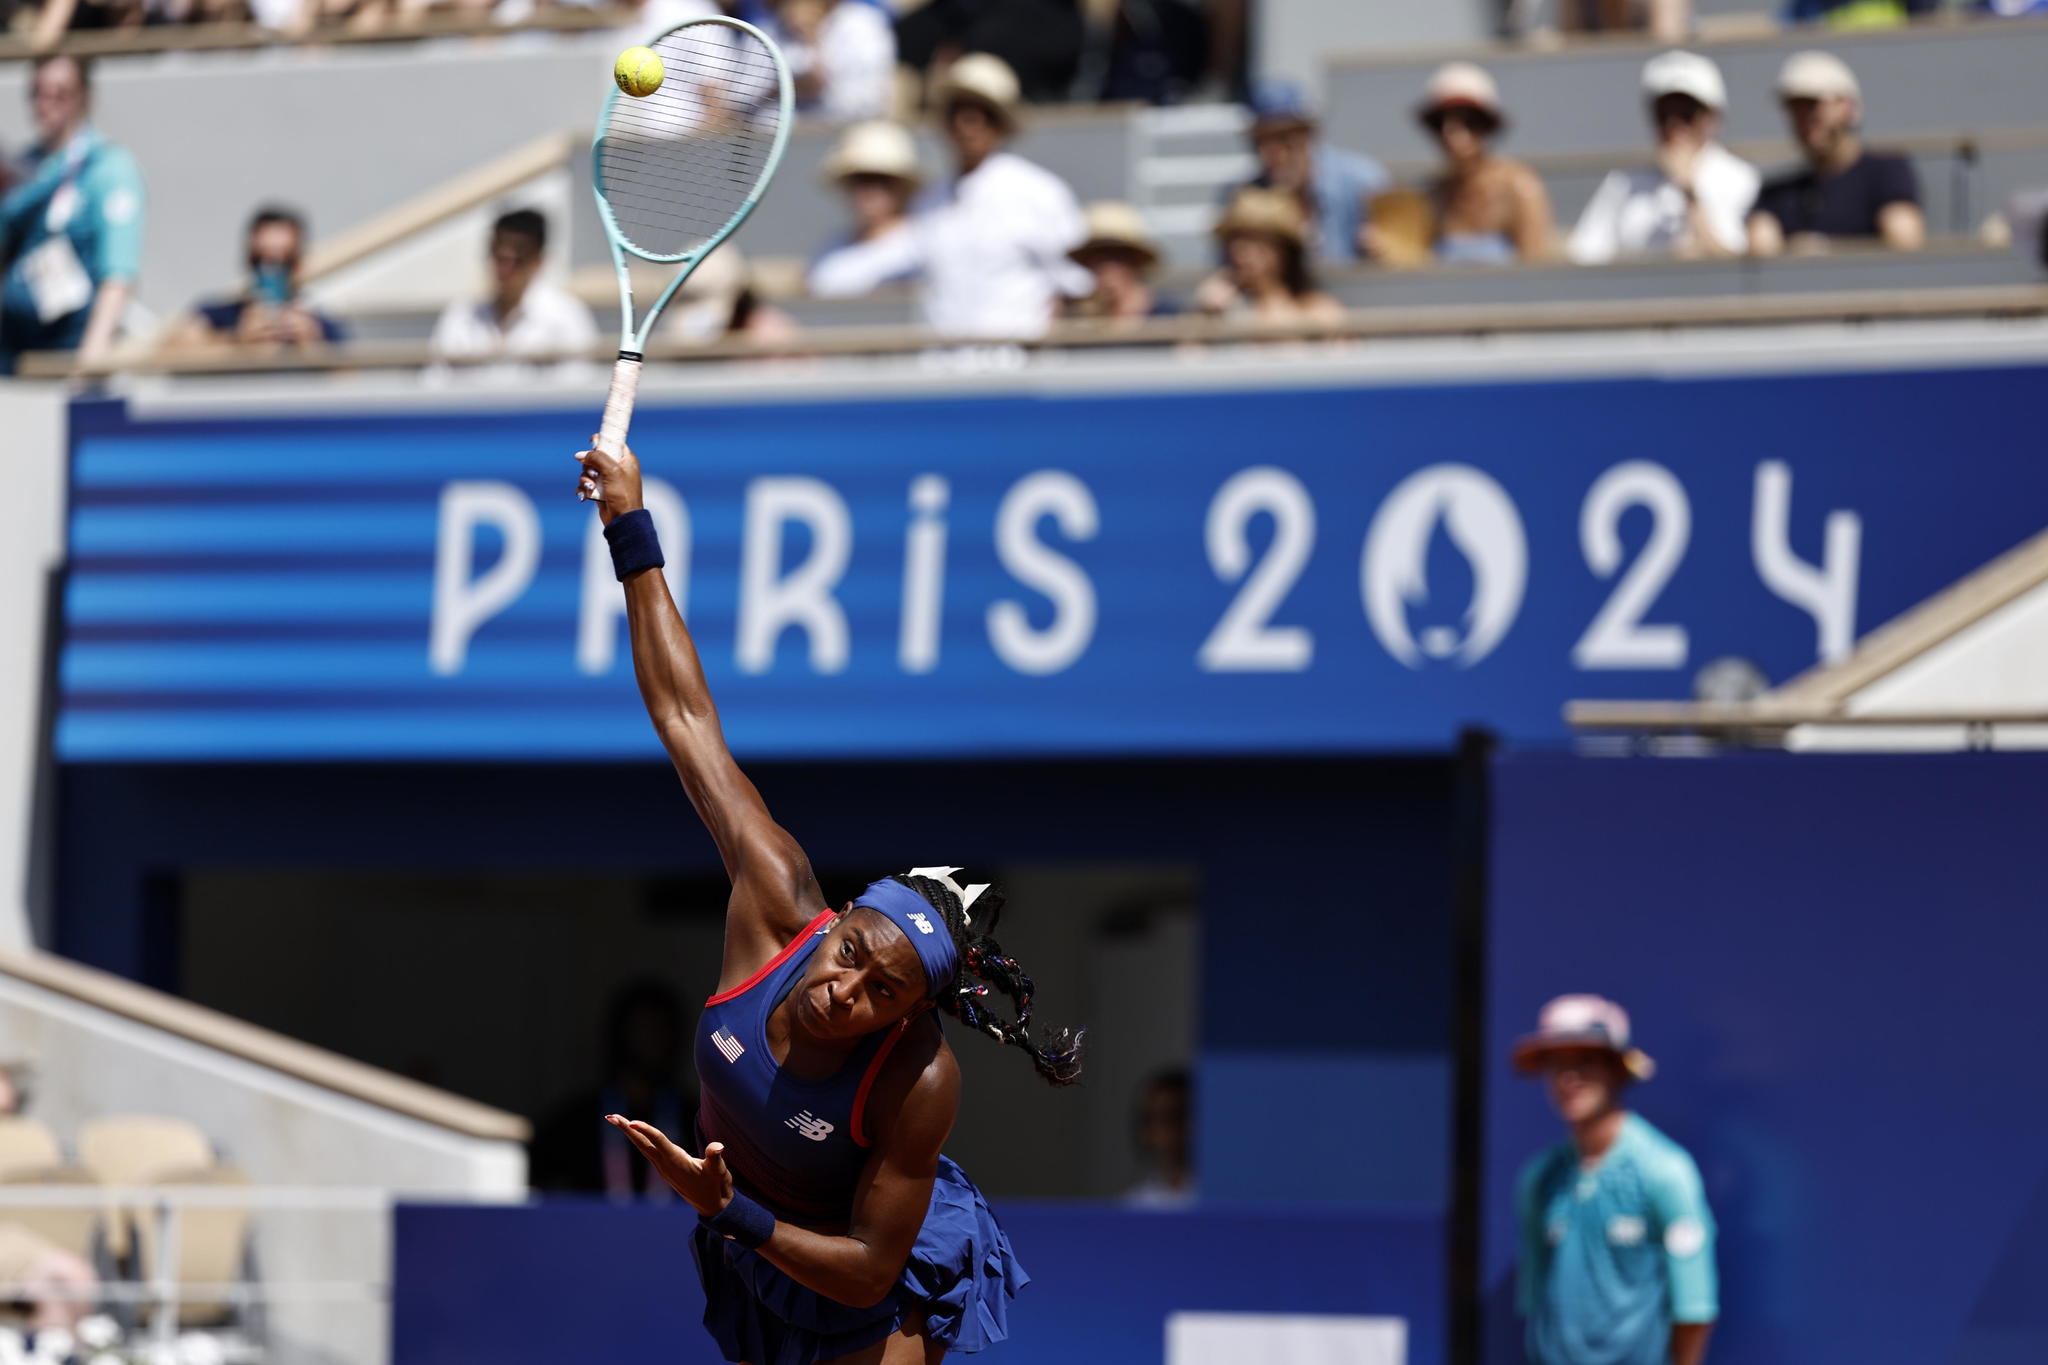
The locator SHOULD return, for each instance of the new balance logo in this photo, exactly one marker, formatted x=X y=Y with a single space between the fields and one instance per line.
x=924 y=926
x=727 y=1045
x=817 y=1130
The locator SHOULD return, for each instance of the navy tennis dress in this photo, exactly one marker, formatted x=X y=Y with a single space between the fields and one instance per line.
x=798 y=1147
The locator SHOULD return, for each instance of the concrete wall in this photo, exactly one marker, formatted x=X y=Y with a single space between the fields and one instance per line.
x=1294 y=38
x=31 y=541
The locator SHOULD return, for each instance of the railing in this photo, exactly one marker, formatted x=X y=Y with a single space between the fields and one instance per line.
x=162 y=1293
x=1365 y=324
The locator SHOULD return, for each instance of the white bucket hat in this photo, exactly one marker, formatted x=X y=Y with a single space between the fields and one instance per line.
x=1462 y=85
x=1685 y=73
x=1817 y=76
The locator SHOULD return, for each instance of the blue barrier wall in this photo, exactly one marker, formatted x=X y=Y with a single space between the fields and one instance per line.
x=1349 y=569
x=585 y=1281
x=1836 y=963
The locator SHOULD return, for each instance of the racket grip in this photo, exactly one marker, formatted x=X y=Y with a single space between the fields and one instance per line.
x=618 y=403
x=618 y=413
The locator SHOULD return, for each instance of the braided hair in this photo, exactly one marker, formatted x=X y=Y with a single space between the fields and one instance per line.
x=984 y=967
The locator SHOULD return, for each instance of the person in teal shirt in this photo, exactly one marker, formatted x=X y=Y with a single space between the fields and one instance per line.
x=1617 y=1242
x=71 y=224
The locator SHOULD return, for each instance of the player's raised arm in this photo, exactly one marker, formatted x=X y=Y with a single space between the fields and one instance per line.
x=774 y=894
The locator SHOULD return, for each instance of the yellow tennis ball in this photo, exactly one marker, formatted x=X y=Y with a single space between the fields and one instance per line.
x=638 y=71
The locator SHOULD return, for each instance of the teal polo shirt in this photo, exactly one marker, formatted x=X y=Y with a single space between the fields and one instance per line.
x=87 y=193
x=1612 y=1256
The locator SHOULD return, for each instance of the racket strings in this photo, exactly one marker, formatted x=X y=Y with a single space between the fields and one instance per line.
x=677 y=165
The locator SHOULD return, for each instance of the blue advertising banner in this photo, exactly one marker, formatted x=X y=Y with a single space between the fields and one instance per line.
x=1339 y=569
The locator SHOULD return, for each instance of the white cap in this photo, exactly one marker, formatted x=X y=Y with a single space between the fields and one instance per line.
x=1582 y=1021
x=1462 y=83
x=875 y=148
x=1817 y=76
x=1685 y=73
x=985 y=79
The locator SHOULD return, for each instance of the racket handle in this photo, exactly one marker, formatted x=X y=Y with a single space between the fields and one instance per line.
x=618 y=413
x=618 y=403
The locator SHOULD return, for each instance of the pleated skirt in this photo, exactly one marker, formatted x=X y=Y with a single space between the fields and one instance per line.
x=956 y=1288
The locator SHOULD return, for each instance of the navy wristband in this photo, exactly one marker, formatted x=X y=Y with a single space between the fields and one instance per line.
x=634 y=544
x=741 y=1219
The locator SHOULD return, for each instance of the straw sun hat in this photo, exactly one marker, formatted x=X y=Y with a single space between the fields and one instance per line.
x=1112 y=227
x=877 y=148
x=1267 y=213
x=984 y=80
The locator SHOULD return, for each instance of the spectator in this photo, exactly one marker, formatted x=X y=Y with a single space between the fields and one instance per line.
x=1158 y=52
x=1693 y=202
x=1121 y=256
x=1617 y=1260
x=72 y=225
x=58 y=1287
x=842 y=56
x=268 y=313
x=875 y=168
x=1332 y=186
x=1668 y=20
x=525 y=316
x=1166 y=1144
x=719 y=302
x=1489 y=209
x=989 y=245
x=1844 y=190
x=1038 y=40
x=1265 y=277
x=2025 y=224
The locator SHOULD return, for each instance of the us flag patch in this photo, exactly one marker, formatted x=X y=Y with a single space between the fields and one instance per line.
x=728 y=1045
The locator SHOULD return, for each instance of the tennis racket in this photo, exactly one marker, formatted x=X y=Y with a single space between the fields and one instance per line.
x=676 y=172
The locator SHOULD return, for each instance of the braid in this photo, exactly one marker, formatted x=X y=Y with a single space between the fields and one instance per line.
x=985 y=967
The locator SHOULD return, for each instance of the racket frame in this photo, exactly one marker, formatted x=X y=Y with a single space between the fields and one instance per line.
x=618 y=407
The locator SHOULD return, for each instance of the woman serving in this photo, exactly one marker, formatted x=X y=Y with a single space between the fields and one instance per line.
x=831 y=1227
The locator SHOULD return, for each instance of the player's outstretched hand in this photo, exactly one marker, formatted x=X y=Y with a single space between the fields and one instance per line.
x=704 y=1183
x=614 y=480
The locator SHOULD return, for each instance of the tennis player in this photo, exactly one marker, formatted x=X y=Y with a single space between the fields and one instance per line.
x=831 y=1227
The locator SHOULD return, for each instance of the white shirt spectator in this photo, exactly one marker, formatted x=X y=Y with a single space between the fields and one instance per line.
x=1641 y=213
x=855 y=58
x=549 y=321
x=989 y=249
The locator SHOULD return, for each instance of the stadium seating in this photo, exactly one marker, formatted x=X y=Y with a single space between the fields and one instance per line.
x=130 y=1150
x=212 y=1246
x=1583 y=97
x=31 y=1156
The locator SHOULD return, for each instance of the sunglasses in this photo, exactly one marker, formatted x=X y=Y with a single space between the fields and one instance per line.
x=1472 y=120
x=1679 y=109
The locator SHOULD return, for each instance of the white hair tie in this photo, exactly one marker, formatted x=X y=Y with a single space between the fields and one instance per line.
x=944 y=876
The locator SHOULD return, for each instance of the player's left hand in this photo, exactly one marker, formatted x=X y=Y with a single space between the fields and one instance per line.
x=703 y=1182
x=613 y=480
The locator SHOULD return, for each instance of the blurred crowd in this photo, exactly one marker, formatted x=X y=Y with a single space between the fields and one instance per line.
x=995 y=246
